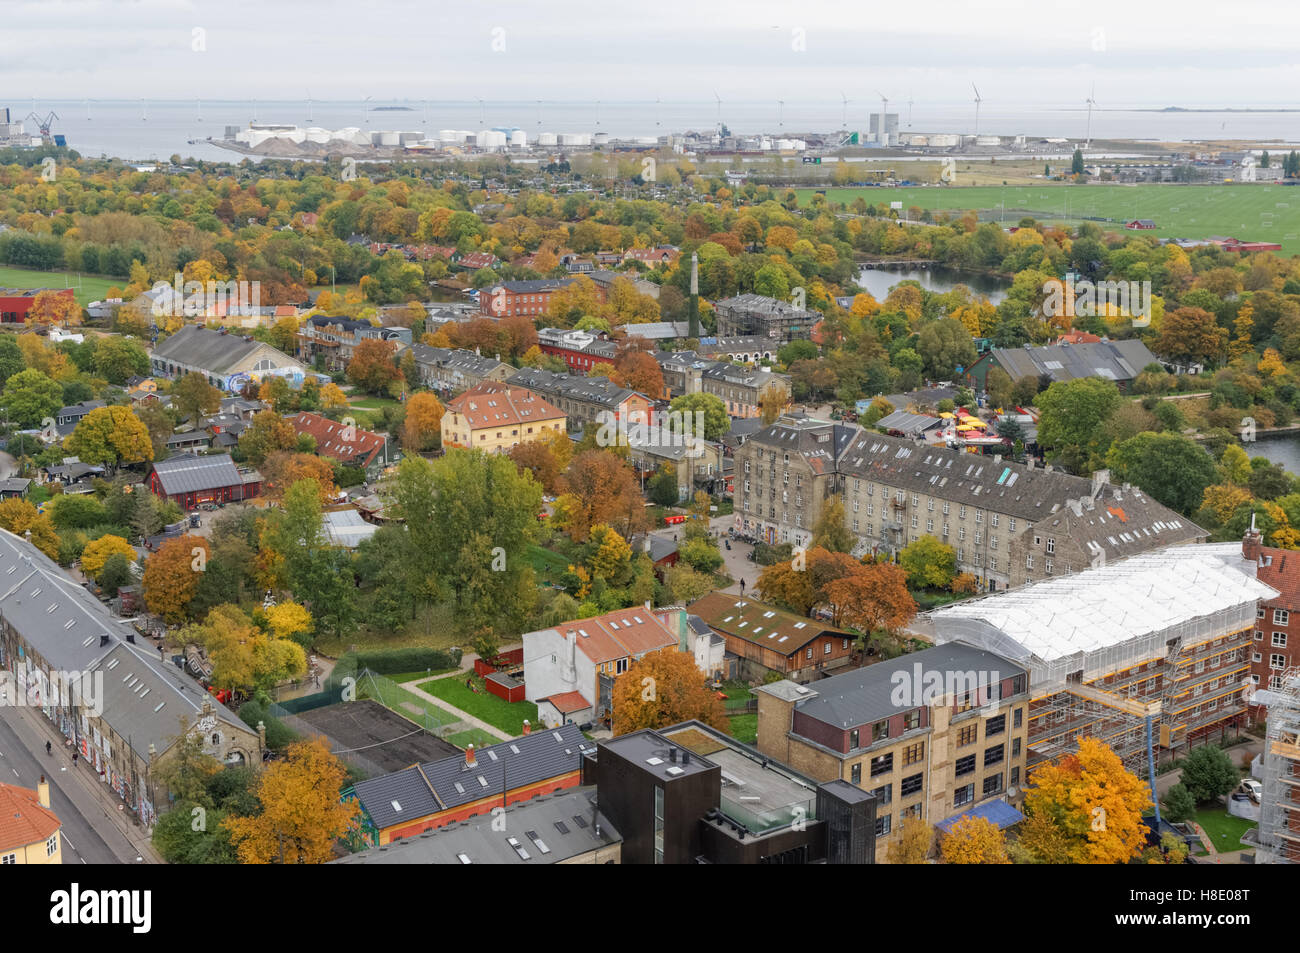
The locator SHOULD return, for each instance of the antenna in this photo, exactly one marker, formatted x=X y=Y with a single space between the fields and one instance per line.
x=1091 y=102
x=977 y=108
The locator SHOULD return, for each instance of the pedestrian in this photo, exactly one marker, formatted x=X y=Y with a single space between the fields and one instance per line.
x=47 y=747
x=742 y=587
x=74 y=757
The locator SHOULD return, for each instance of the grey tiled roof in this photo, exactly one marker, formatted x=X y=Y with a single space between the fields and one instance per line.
x=426 y=789
x=187 y=473
x=1112 y=360
x=211 y=350
x=596 y=390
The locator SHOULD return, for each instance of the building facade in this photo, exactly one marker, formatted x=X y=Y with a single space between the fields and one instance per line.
x=496 y=417
x=757 y=315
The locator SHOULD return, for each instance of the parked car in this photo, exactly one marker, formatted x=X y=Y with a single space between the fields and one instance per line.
x=1251 y=788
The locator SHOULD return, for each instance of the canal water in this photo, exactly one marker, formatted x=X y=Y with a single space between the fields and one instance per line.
x=878 y=281
x=1283 y=449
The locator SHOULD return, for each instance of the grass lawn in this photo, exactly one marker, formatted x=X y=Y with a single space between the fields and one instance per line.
x=374 y=403
x=507 y=716
x=433 y=629
x=744 y=728
x=475 y=736
x=1262 y=212
x=1223 y=829
x=547 y=564
x=87 y=288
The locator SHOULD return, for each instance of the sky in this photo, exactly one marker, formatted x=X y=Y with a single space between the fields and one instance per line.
x=1191 y=53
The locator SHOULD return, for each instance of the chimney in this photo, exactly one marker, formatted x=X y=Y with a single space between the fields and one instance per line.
x=43 y=792
x=1252 y=542
x=1099 y=479
x=103 y=640
x=527 y=727
x=470 y=760
x=261 y=735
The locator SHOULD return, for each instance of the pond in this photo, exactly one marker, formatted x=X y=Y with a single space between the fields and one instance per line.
x=937 y=278
x=1283 y=449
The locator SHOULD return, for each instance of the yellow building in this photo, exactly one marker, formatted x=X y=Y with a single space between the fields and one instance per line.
x=494 y=416
x=29 y=830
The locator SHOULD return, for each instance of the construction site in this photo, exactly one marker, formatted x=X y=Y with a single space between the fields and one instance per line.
x=1279 y=815
x=1150 y=654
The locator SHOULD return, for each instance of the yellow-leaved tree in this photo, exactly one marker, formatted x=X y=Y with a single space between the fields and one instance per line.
x=97 y=552
x=664 y=688
x=301 y=814
x=1086 y=808
x=915 y=838
x=974 y=840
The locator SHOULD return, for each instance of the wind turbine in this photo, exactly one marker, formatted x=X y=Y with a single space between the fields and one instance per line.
x=425 y=116
x=198 y=103
x=87 y=110
x=365 y=115
x=482 y=116
x=598 y=115
x=309 y=107
x=539 y=114
x=144 y=110
x=780 y=113
x=909 y=109
x=844 y=118
x=658 y=110
x=719 y=99
x=1091 y=102
x=977 y=108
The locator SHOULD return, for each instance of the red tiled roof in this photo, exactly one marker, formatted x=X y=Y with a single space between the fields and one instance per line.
x=492 y=403
x=620 y=634
x=334 y=440
x=23 y=820
x=568 y=702
x=1285 y=579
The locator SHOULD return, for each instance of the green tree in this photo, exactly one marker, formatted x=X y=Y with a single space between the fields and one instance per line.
x=30 y=396
x=945 y=345
x=1072 y=415
x=928 y=563
x=110 y=436
x=1076 y=162
x=1172 y=468
x=831 y=532
x=1179 y=804
x=717 y=423
x=194 y=397
x=1209 y=774
x=116 y=359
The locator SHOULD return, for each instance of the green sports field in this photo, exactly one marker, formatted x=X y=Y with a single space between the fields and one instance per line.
x=88 y=288
x=1268 y=213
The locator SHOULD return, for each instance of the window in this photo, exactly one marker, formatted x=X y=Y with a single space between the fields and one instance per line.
x=966 y=736
x=1277 y=660
x=945 y=512
x=1029 y=561
x=1015 y=775
x=853 y=739
x=826 y=648
x=1280 y=616
x=884 y=794
x=993 y=755
x=993 y=542
x=882 y=765
x=961 y=534
x=1257 y=656
x=913 y=754
x=879 y=730
x=808 y=654
x=8 y=859
x=929 y=526
x=1259 y=613
x=1279 y=640
x=1259 y=636
x=995 y=726
x=979 y=537
x=992 y=785
x=620 y=666
x=1018 y=715
x=993 y=518
x=1015 y=747
x=912 y=720
x=1011 y=525
x=913 y=811
x=961 y=513
x=964 y=795
x=911 y=785
x=979 y=516
x=855 y=773
x=659 y=825
x=965 y=765
x=993 y=564
x=882 y=825
x=52 y=845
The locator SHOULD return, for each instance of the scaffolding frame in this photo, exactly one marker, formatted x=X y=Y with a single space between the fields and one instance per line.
x=1279 y=813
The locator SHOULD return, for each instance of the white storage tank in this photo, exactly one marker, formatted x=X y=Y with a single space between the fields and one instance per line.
x=547 y=139
x=519 y=139
x=389 y=137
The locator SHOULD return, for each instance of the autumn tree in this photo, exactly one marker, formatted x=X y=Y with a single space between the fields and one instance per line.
x=929 y=563
x=267 y=433
x=640 y=372
x=53 y=309
x=332 y=397
x=1088 y=809
x=110 y=436
x=973 y=840
x=373 y=366
x=664 y=688
x=831 y=532
x=20 y=517
x=302 y=814
x=539 y=458
x=171 y=576
x=243 y=656
x=97 y=552
x=422 y=427
x=599 y=488
x=194 y=397
x=915 y=839
x=282 y=469
x=872 y=598
x=1191 y=334
x=30 y=397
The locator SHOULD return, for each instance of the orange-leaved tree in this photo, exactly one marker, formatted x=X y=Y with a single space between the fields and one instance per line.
x=423 y=425
x=171 y=575
x=301 y=813
x=664 y=688
x=1092 y=803
x=974 y=840
x=19 y=516
x=53 y=308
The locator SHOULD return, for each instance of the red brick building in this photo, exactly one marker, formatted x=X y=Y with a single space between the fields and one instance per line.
x=191 y=481
x=529 y=298
x=1275 y=643
x=16 y=302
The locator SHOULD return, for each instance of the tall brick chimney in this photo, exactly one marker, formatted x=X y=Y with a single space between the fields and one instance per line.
x=470 y=760
x=527 y=727
x=1252 y=542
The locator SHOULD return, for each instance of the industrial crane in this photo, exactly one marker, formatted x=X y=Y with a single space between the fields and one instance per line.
x=44 y=124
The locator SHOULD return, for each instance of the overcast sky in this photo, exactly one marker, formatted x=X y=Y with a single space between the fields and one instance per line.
x=1193 y=53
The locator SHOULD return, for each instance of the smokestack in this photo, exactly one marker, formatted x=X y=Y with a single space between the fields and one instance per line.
x=527 y=727
x=470 y=760
x=43 y=792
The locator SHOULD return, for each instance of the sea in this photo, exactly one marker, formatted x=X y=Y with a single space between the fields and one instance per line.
x=158 y=129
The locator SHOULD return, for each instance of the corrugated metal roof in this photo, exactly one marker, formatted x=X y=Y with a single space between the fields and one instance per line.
x=187 y=473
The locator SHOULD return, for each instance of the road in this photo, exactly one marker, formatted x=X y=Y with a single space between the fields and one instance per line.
x=90 y=834
x=736 y=561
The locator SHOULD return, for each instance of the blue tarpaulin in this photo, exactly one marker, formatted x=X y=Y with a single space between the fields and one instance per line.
x=998 y=812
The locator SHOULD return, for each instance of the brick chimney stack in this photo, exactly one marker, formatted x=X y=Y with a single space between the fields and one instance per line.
x=1252 y=542
x=470 y=760
x=527 y=727
x=43 y=792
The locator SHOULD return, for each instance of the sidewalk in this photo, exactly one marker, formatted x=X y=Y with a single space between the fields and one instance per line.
x=466 y=717
x=95 y=801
